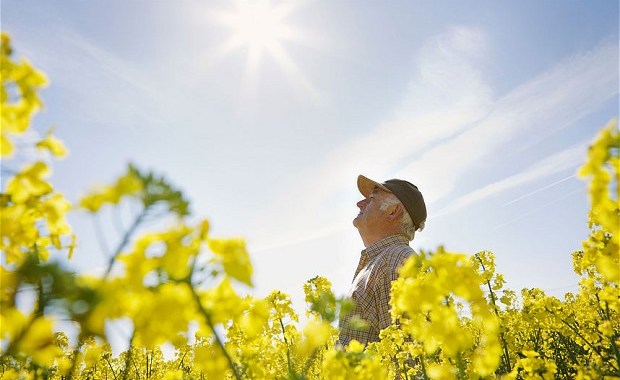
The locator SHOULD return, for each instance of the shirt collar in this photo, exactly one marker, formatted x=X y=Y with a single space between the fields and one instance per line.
x=379 y=246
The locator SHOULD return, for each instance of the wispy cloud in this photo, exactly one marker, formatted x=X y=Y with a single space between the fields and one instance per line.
x=540 y=189
x=551 y=101
x=104 y=86
x=445 y=96
x=446 y=125
x=556 y=163
x=539 y=208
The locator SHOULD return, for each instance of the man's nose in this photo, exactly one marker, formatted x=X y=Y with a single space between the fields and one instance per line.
x=361 y=203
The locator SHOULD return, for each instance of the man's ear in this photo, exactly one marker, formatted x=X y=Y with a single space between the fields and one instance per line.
x=396 y=213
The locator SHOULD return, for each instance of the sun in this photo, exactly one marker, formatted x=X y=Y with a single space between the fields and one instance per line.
x=257 y=25
x=260 y=27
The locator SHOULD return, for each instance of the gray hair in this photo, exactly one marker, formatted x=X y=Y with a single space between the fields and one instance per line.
x=406 y=224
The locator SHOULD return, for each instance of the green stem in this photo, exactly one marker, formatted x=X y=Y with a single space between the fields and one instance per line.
x=40 y=307
x=111 y=369
x=423 y=367
x=588 y=343
x=76 y=354
x=207 y=317
x=505 y=353
x=612 y=338
x=394 y=362
x=405 y=371
x=181 y=362
x=288 y=350
x=15 y=343
x=128 y=357
x=309 y=362
x=149 y=363
x=211 y=325
x=125 y=240
x=461 y=365
x=135 y=367
x=36 y=371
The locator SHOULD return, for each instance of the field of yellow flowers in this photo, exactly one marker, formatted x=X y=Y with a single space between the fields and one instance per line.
x=455 y=318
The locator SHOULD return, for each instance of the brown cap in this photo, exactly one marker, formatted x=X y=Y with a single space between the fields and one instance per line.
x=406 y=192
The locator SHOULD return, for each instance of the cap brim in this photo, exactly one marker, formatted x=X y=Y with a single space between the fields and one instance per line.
x=367 y=185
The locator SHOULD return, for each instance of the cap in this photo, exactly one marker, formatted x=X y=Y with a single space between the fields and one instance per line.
x=406 y=192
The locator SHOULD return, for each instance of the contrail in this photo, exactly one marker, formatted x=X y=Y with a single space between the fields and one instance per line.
x=539 y=190
x=538 y=208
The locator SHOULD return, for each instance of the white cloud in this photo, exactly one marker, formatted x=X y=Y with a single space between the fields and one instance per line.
x=103 y=86
x=549 y=102
x=556 y=163
x=540 y=189
x=446 y=125
x=445 y=96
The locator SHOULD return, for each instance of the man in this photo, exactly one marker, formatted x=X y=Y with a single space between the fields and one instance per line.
x=390 y=214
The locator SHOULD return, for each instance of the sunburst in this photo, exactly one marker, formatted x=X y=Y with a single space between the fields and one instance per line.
x=260 y=27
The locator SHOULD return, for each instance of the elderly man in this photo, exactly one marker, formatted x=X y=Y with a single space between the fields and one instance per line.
x=390 y=214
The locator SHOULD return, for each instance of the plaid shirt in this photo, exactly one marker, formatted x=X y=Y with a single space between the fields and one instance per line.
x=370 y=290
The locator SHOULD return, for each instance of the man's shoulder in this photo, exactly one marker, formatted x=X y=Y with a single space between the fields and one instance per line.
x=394 y=255
x=402 y=248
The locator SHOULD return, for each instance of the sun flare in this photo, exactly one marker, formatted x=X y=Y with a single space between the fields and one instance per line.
x=261 y=28
x=257 y=25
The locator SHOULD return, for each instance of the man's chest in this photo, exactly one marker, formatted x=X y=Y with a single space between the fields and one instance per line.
x=365 y=279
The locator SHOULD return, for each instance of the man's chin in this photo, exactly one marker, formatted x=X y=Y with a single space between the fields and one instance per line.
x=356 y=222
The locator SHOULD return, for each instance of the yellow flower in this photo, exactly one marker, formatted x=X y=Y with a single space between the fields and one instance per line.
x=16 y=113
x=93 y=201
x=129 y=184
x=317 y=334
x=222 y=302
x=355 y=347
x=92 y=354
x=180 y=247
x=13 y=321
x=64 y=365
x=175 y=374
x=609 y=267
x=29 y=183
x=6 y=146
x=211 y=360
x=38 y=342
x=171 y=297
x=203 y=229
x=437 y=371
x=54 y=210
x=254 y=321
x=53 y=145
x=428 y=301
x=137 y=264
x=72 y=246
x=232 y=255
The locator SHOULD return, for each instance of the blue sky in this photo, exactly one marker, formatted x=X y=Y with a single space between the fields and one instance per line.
x=487 y=106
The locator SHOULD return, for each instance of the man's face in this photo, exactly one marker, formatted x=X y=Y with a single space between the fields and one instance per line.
x=370 y=216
